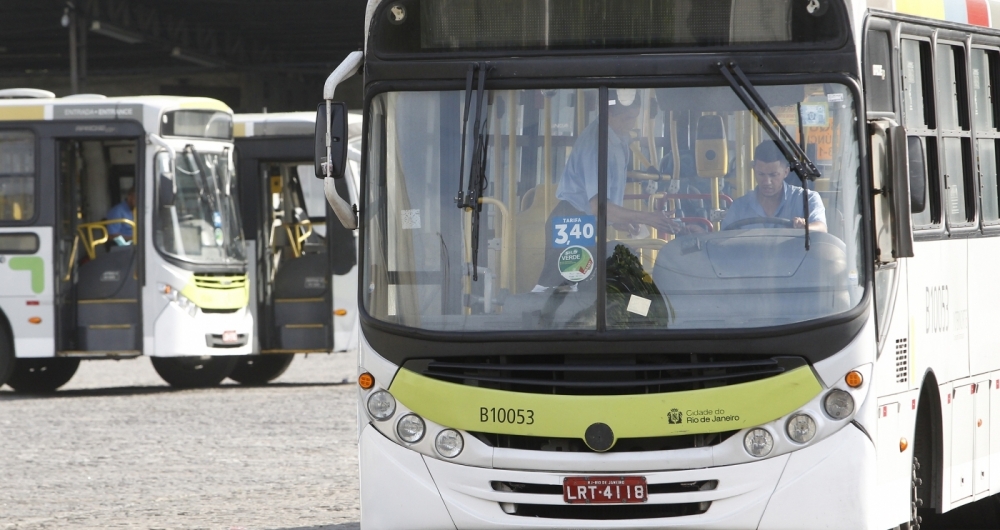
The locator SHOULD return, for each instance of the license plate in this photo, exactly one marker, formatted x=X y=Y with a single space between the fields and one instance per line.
x=604 y=490
x=229 y=336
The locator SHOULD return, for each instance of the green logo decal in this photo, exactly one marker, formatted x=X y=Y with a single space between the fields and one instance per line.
x=36 y=266
x=576 y=263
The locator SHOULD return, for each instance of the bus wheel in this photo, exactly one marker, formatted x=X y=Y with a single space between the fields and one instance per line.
x=41 y=375
x=193 y=372
x=6 y=355
x=916 y=503
x=259 y=369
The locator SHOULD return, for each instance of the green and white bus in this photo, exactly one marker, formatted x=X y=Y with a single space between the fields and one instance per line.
x=674 y=263
x=303 y=289
x=120 y=236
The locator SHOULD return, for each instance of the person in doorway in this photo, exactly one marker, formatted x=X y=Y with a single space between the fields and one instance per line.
x=774 y=198
x=122 y=210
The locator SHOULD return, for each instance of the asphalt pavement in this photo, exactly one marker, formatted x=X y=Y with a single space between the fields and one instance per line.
x=118 y=448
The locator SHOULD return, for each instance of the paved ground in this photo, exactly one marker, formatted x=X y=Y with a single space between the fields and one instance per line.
x=117 y=448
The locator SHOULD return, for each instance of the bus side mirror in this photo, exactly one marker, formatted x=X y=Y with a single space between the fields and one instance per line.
x=337 y=134
x=918 y=174
x=891 y=174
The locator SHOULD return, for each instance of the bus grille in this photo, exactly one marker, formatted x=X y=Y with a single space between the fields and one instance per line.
x=603 y=375
x=207 y=281
x=622 y=445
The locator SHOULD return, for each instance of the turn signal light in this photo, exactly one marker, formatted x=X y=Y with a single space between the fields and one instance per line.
x=366 y=381
x=854 y=379
x=340 y=312
x=35 y=320
x=903 y=444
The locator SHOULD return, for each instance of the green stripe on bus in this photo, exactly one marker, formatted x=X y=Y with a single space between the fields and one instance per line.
x=629 y=416
x=33 y=264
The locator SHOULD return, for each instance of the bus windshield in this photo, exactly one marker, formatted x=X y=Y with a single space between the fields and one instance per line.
x=706 y=223
x=198 y=221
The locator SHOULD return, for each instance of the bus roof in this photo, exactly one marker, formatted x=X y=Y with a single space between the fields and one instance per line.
x=285 y=124
x=144 y=109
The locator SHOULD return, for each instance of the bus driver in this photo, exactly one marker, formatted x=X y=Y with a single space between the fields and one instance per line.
x=774 y=198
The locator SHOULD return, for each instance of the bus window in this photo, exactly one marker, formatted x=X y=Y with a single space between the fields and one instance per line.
x=984 y=74
x=951 y=94
x=957 y=151
x=918 y=100
x=878 y=73
x=17 y=176
x=953 y=121
x=988 y=171
x=681 y=202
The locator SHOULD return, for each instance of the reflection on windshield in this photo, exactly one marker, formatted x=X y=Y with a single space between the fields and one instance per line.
x=706 y=224
x=200 y=222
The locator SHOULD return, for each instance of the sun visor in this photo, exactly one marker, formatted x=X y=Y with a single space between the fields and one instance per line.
x=722 y=99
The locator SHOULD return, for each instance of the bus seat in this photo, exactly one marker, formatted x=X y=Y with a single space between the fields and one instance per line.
x=302 y=311
x=107 y=294
x=531 y=238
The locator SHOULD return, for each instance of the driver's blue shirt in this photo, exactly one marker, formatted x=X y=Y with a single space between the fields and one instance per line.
x=119 y=211
x=747 y=207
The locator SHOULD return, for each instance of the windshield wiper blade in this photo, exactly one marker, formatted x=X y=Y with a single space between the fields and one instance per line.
x=798 y=160
x=469 y=200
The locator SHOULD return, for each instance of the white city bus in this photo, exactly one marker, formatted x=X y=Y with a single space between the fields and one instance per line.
x=120 y=236
x=532 y=356
x=304 y=287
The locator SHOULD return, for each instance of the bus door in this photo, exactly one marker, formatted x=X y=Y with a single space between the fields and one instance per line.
x=99 y=263
x=295 y=292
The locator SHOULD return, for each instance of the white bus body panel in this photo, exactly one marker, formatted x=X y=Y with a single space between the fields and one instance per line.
x=345 y=296
x=18 y=275
x=397 y=478
x=757 y=494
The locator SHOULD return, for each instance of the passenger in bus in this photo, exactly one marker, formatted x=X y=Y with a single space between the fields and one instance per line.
x=122 y=210
x=577 y=190
x=774 y=197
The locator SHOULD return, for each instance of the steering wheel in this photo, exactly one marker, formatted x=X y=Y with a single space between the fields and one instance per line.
x=787 y=223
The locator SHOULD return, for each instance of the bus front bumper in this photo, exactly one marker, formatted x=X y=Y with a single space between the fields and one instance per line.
x=825 y=485
x=178 y=334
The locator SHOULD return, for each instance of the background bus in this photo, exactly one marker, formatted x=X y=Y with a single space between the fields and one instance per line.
x=304 y=285
x=163 y=276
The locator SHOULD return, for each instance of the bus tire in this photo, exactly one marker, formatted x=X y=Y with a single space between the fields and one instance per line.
x=7 y=359
x=259 y=369
x=42 y=375
x=193 y=372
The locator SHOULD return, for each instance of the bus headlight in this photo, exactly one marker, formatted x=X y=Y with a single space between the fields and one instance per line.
x=801 y=428
x=758 y=442
x=176 y=297
x=381 y=405
x=449 y=443
x=410 y=428
x=838 y=404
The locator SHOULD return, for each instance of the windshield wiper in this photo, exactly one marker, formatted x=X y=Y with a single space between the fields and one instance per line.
x=469 y=199
x=798 y=160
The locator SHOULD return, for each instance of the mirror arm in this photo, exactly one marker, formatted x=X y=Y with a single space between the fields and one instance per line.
x=900 y=194
x=156 y=140
x=347 y=68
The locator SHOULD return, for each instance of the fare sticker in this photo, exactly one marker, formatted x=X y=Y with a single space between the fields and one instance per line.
x=576 y=263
